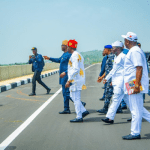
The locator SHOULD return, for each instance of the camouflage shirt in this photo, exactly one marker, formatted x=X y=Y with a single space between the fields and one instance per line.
x=109 y=63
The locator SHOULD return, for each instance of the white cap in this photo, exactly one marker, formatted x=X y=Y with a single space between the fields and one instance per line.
x=117 y=44
x=131 y=36
x=122 y=43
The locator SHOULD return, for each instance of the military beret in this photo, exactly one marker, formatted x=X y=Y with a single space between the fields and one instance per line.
x=108 y=46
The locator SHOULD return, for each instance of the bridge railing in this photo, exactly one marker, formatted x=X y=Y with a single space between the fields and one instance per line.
x=9 y=72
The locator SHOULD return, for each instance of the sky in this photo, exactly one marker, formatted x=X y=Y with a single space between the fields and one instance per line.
x=46 y=23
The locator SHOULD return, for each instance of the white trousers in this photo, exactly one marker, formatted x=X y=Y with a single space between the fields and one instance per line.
x=135 y=104
x=79 y=108
x=137 y=111
x=117 y=97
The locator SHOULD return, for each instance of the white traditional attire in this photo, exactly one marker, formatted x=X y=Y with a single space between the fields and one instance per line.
x=117 y=75
x=76 y=75
x=134 y=58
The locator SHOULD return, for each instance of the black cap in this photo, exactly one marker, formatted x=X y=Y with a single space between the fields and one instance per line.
x=34 y=48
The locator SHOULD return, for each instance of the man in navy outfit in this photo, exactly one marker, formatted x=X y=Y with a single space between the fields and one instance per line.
x=37 y=66
x=103 y=71
x=63 y=60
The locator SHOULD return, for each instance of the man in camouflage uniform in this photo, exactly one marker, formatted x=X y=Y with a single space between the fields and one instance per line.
x=109 y=87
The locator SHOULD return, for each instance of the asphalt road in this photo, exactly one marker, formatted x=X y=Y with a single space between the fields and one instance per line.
x=52 y=131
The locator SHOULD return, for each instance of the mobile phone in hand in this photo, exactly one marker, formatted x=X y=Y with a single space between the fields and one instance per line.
x=33 y=56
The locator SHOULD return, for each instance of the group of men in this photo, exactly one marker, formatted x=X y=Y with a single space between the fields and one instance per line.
x=123 y=67
x=119 y=66
x=72 y=77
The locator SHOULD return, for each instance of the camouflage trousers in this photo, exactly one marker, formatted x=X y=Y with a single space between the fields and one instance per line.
x=108 y=92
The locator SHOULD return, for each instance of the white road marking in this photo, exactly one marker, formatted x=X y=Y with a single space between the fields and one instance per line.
x=12 y=136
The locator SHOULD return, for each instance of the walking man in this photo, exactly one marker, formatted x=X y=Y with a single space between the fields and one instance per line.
x=37 y=66
x=63 y=69
x=109 y=87
x=76 y=80
x=117 y=75
x=135 y=68
x=103 y=71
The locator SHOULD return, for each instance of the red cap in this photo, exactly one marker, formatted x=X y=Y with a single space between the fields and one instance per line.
x=72 y=43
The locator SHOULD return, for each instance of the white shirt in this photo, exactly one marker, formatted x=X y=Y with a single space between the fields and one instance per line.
x=117 y=72
x=134 y=58
x=76 y=72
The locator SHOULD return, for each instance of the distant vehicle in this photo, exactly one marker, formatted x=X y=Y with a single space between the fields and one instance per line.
x=148 y=62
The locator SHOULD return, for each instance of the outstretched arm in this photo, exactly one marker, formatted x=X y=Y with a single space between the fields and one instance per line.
x=57 y=60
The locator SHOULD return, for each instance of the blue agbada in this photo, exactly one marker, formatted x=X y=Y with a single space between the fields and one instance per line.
x=63 y=60
x=37 y=63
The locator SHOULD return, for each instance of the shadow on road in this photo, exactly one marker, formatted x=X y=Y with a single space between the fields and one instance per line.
x=93 y=119
x=45 y=94
x=147 y=107
x=11 y=148
x=126 y=111
x=147 y=136
x=92 y=111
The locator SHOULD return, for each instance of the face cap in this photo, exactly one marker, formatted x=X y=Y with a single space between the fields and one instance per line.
x=117 y=44
x=34 y=48
x=130 y=36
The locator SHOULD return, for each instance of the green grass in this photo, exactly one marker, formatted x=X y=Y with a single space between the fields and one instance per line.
x=91 y=57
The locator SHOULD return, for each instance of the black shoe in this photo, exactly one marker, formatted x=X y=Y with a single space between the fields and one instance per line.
x=131 y=137
x=106 y=120
x=119 y=111
x=103 y=87
x=85 y=114
x=48 y=91
x=32 y=94
x=103 y=110
x=102 y=99
x=65 y=112
x=129 y=119
x=83 y=103
x=124 y=107
x=76 y=120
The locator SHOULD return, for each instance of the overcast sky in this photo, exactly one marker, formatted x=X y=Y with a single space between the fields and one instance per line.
x=45 y=23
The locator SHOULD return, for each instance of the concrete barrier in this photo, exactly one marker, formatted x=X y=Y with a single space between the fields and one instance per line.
x=9 y=72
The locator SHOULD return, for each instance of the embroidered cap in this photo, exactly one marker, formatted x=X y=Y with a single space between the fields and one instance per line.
x=72 y=43
x=130 y=36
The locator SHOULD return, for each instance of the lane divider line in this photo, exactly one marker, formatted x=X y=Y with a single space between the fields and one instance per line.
x=12 y=136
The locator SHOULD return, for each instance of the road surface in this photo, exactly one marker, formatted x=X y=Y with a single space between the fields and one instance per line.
x=33 y=123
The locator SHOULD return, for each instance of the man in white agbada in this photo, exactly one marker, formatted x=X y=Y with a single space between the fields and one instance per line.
x=76 y=80
x=135 y=67
x=117 y=75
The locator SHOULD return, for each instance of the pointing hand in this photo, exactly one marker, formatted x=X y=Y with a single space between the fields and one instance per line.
x=47 y=58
